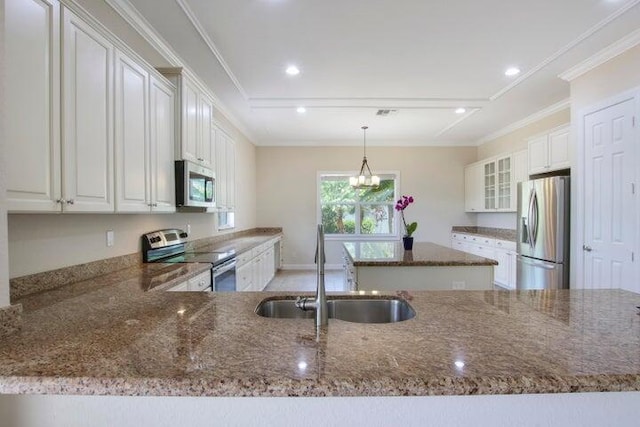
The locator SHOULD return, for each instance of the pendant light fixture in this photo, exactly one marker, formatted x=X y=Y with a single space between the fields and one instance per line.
x=365 y=178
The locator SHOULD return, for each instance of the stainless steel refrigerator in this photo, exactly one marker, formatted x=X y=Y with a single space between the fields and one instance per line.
x=543 y=233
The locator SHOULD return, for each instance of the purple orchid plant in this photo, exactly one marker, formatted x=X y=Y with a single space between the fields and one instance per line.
x=401 y=205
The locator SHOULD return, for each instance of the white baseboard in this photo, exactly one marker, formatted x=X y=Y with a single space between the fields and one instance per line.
x=310 y=267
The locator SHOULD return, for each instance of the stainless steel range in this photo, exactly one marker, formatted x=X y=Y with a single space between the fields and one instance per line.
x=169 y=246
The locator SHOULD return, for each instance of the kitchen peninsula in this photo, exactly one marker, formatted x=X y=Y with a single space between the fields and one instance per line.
x=385 y=265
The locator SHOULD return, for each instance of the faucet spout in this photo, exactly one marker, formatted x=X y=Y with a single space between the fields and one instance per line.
x=319 y=303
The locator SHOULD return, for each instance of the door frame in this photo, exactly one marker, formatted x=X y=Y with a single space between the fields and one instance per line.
x=578 y=208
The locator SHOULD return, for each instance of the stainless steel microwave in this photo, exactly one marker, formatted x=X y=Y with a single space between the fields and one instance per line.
x=195 y=185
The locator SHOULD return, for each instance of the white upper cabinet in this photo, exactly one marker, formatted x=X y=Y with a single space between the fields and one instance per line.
x=490 y=185
x=225 y=171
x=474 y=187
x=144 y=139
x=550 y=151
x=87 y=147
x=207 y=147
x=195 y=117
x=32 y=91
x=162 y=145
x=132 y=136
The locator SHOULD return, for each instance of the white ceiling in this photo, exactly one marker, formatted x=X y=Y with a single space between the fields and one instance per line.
x=423 y=58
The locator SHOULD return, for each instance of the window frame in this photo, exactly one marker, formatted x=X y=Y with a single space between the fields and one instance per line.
x=360 y=237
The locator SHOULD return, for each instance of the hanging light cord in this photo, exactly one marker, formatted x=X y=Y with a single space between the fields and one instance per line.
x=364 y=158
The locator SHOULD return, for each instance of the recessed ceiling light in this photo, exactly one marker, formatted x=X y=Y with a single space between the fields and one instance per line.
x=512 y=71
x=301 y=110
x=461 y=110
x=292 y=70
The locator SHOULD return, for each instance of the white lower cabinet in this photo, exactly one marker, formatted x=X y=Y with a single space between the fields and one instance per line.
x=503 y=251
x=199 y=283
x=257 y=267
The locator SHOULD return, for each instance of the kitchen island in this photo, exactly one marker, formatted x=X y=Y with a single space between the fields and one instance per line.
x=108 y=336
x=385 y=265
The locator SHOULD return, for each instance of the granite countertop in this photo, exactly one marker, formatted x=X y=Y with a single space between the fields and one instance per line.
x=495 y=233
x=424 y=254
x=238 y=244
x=108 y=336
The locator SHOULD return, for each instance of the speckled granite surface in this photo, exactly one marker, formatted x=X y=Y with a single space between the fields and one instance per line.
x=107 y=336
x=10 y=319
x=423 y=254
x=496 y=233
x=26 y=285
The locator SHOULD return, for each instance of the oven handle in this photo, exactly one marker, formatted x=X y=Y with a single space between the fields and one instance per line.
x=223 y=268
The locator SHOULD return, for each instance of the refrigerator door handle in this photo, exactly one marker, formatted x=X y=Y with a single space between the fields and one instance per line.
x=531 y=219
x=541 y=264
x=534 y=227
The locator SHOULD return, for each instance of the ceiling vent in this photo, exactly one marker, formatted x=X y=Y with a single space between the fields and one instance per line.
x=385 y=113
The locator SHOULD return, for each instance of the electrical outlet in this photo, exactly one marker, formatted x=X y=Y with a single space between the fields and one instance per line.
x=110 y=237
x=458 y=285
x=188 y=230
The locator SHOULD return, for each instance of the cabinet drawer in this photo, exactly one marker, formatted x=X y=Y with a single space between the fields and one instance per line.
x=201 y=282
x=243 y=258
x=506 y=245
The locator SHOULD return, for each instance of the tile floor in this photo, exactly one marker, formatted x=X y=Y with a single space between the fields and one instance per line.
x=305 y=281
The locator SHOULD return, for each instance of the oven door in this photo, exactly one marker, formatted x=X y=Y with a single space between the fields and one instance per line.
x=224 y=277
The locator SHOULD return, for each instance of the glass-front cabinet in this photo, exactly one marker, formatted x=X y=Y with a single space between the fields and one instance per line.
x=504 y=183
x=490 y=185
x=497 y=182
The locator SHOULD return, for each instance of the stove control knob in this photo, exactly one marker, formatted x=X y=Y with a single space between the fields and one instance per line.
x=183 y=235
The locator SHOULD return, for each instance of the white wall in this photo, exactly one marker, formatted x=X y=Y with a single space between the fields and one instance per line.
x=287 y=190
x=523 y=410
x=509 y=143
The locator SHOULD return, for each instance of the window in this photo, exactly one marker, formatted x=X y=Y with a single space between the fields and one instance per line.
x=226 y=220
x=362 y=213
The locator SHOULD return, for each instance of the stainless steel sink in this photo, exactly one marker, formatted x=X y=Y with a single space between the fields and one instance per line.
x=357 y=310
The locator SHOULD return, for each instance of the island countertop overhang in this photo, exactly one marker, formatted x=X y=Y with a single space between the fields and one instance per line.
x=391 y=253
x=108 y=337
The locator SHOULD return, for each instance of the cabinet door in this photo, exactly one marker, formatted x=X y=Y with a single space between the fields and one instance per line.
x=87 y=148
x=32 y=91
x=559 y=149
x=231 y=174
x=501 y=271
x=190 y=136
x=474 y=188
x=207 y=146
x=244 y=277
x=520 y=174
x=490 y=185
x=221 y=170
x=504 y=178
x=162 y=146
x=132 y=136
x=513 y=264
x=538 y=155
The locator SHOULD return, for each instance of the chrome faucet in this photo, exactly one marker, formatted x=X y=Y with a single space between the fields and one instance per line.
x=319 y=303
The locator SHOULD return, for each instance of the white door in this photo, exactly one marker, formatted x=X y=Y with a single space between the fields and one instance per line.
x=162 y=147
x=132 y=137
x=609 y=228
x=32 y=91
x=87 y=146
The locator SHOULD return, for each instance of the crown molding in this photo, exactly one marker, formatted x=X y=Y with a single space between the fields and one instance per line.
x=212 y=47
x=627 y=42
x=405 y=103
x=584 y=36
x=552 y=109
x=455 y=123
x=134 y=18
x=139 y=23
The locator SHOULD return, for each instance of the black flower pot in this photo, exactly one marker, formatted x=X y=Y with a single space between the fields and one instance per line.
x=408 y=243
